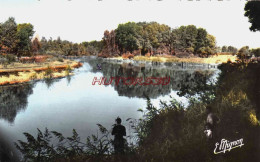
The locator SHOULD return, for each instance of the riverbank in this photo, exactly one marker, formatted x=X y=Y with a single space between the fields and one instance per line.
x=210 y=60
x=19 y=73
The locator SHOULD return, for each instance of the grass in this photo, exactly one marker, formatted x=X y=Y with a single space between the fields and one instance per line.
x=20 y=67
x=210 y=60
x=28 y=76
x=32 y=72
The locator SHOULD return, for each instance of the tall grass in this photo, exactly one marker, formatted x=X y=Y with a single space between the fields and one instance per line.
x=210 y=60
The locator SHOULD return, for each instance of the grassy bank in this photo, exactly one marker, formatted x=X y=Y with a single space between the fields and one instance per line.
x=209 y=60
x=18 y=73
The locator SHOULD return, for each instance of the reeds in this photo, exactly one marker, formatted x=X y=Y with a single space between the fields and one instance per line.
x=25 y=75
x=210 y=60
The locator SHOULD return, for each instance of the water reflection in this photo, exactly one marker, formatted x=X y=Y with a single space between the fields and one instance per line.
x=14 y=99
x=190 y=81
x=183 y=80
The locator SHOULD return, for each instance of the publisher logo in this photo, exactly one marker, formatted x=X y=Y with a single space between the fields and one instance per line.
x=226 y=145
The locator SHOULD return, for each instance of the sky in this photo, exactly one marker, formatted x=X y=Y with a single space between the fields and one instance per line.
x=86 y=20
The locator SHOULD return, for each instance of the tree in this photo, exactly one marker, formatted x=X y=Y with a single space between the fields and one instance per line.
x=8 y=36
x=110 y=45
x=66 y=48
x=36 y=45
x=155 y=32
x=252 y=11
x=243 y=53
x=224 y=49
x=127 y=36
x=191 y=34
x=201 y=38
x=256 y=52
x=24 y=35
x=232 y=49
x=44 y=45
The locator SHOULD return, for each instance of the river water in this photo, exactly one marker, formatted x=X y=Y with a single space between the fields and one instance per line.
x=73 y=102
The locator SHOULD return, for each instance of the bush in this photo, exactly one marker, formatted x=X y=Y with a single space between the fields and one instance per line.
x=10 y=58
x=68 y=70
x=48 y=73
x=60 y=60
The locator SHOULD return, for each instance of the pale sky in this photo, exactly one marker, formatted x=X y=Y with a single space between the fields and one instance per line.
x=86 y=20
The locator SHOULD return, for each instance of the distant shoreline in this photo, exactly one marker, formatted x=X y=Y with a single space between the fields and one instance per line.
x=210 y=60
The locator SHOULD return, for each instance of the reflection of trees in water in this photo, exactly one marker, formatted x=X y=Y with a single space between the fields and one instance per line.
x=13 y=99
x=202 y=86
x=183 y=80
x=50 y=81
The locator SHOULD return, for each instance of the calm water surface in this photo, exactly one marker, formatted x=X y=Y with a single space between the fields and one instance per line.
x=73 y=102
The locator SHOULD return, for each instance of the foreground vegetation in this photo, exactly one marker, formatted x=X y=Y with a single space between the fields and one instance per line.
x=172 y=132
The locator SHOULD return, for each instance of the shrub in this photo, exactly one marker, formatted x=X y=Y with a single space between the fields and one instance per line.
x=48 y=72
x=10 y=58
x=60 y=60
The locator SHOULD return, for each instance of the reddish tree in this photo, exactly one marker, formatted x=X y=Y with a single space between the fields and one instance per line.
x=110 y=46
x=36 y=45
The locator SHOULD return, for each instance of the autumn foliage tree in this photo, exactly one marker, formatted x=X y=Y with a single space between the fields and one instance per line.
x=36 y=45
x=110 y=47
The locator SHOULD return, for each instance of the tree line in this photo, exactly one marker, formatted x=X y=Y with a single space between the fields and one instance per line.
x=154 y=38
x=136 y=38
x=17 y=39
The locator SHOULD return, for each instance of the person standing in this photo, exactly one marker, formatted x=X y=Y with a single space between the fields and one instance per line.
x=119 y=132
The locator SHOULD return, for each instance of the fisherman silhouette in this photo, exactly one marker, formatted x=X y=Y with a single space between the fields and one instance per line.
x=119 y=131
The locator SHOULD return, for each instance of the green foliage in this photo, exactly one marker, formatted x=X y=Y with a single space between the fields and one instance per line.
x=252 y=11
x=201 y=38
x=8 y=36
x=60 y=60
x=229 y=49
x=224 y=49
x=176 y=134
x=64 y=47
x=256 y=52
x=68 y=70
x=42 y=149
x=16 y=38
x=172 y=132
x=127 y=36
x=134 y=37
x=243 y=53
x=24 y=35
x=10 y=58
x=48 y=72
x=151 y=36
x=232 y=49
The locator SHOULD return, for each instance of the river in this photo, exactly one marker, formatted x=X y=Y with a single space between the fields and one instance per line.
x=73 y=102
